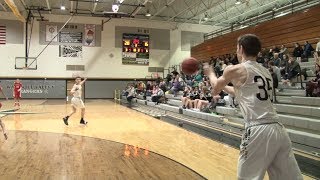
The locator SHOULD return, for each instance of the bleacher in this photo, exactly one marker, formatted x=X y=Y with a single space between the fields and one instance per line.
x=299 y=114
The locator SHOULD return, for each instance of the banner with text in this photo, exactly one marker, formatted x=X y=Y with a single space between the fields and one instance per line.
x=37 y=89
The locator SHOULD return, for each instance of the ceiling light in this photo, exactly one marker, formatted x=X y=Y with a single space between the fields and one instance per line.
x=148 y=14
x=238 y=2
x=206 y=17
x=63 y=8
x=282 y=14
x=243 y=26
x=115 y=8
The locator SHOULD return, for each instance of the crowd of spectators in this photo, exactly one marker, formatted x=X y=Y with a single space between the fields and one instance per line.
x=196 y=90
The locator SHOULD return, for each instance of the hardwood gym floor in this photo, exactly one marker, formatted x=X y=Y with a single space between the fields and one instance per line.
x=117 y=143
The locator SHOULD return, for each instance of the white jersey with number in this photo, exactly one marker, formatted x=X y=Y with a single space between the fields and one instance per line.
x=255 y=95
x=76 y=101
x=78 y=90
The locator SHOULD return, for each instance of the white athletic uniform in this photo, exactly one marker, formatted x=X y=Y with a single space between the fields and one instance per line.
x=76 y=101
x=265 y=145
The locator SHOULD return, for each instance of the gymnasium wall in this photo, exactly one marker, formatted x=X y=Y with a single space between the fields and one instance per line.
x=103 y=62
x=296 y=27
x=186 y=36
x=16 y=31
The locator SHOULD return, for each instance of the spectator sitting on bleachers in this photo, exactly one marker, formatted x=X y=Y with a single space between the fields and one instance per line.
x=186 y=97
x=175 y=86
x=307 y=49
x=275 y=49
x=313 y=86
x=260 y=58
x=130 y=93
x=284 y=65
x=201 y=93
x=149 y=88
x=157 y=95
x=141 y=87
x=163 y=86
x=292 y=72
x=197 y=79
x=276 y=59
x=283 y=51
x=275 y=70
x=209 y=102
x=205 y=99
x=194 y=95
x=297 y=52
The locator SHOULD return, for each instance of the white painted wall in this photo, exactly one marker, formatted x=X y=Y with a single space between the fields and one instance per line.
x=177 y=55
x=98 y=62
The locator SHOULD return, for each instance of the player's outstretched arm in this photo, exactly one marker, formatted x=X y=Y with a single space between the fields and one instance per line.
x=221 y=83
x=82 y=82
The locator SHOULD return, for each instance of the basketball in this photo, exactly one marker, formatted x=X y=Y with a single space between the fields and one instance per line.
x=190 y=66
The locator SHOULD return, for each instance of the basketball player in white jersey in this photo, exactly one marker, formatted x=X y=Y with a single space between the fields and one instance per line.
x=265 y=144
x=76 y=101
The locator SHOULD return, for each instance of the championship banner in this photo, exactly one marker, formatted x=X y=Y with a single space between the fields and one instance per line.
x=70 y=37
x=51 y=31
x=70 y=51
x=89 y=34
x=135 y=49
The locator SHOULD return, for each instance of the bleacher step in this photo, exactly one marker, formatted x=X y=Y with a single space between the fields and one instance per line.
x=306 y=138
x=308 y=101
x=298 y=93
x=298 y=110
x=174 y=102
x=300 y=122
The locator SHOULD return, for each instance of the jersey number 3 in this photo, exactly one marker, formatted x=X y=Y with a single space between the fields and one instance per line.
x=265 y=87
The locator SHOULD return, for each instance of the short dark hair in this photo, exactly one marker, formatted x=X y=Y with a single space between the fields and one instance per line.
x=250 y=43
x=78 y=77
x=271 y=63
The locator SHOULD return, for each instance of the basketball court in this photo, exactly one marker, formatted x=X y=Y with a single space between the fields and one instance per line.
x=114 y=43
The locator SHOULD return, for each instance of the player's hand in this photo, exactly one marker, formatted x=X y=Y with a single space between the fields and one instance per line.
x=207 y=69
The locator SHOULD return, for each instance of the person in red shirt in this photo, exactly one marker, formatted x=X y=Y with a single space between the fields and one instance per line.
x=17 y=87
x=1 y=123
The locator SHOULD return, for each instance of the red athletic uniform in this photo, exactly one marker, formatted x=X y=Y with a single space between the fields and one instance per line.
x=17 y=87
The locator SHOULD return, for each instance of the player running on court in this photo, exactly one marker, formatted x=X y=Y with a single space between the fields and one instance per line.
x=265 y=145
x=17 y=87
x=3 y=127
x=76 y=101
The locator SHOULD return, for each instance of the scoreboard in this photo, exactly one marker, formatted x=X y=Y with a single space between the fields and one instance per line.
x=135 y=49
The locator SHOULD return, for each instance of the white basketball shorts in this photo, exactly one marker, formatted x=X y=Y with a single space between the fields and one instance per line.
x=77 y=102
x=268 y=148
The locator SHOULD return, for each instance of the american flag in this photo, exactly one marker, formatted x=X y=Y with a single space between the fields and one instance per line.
x=2 y=35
